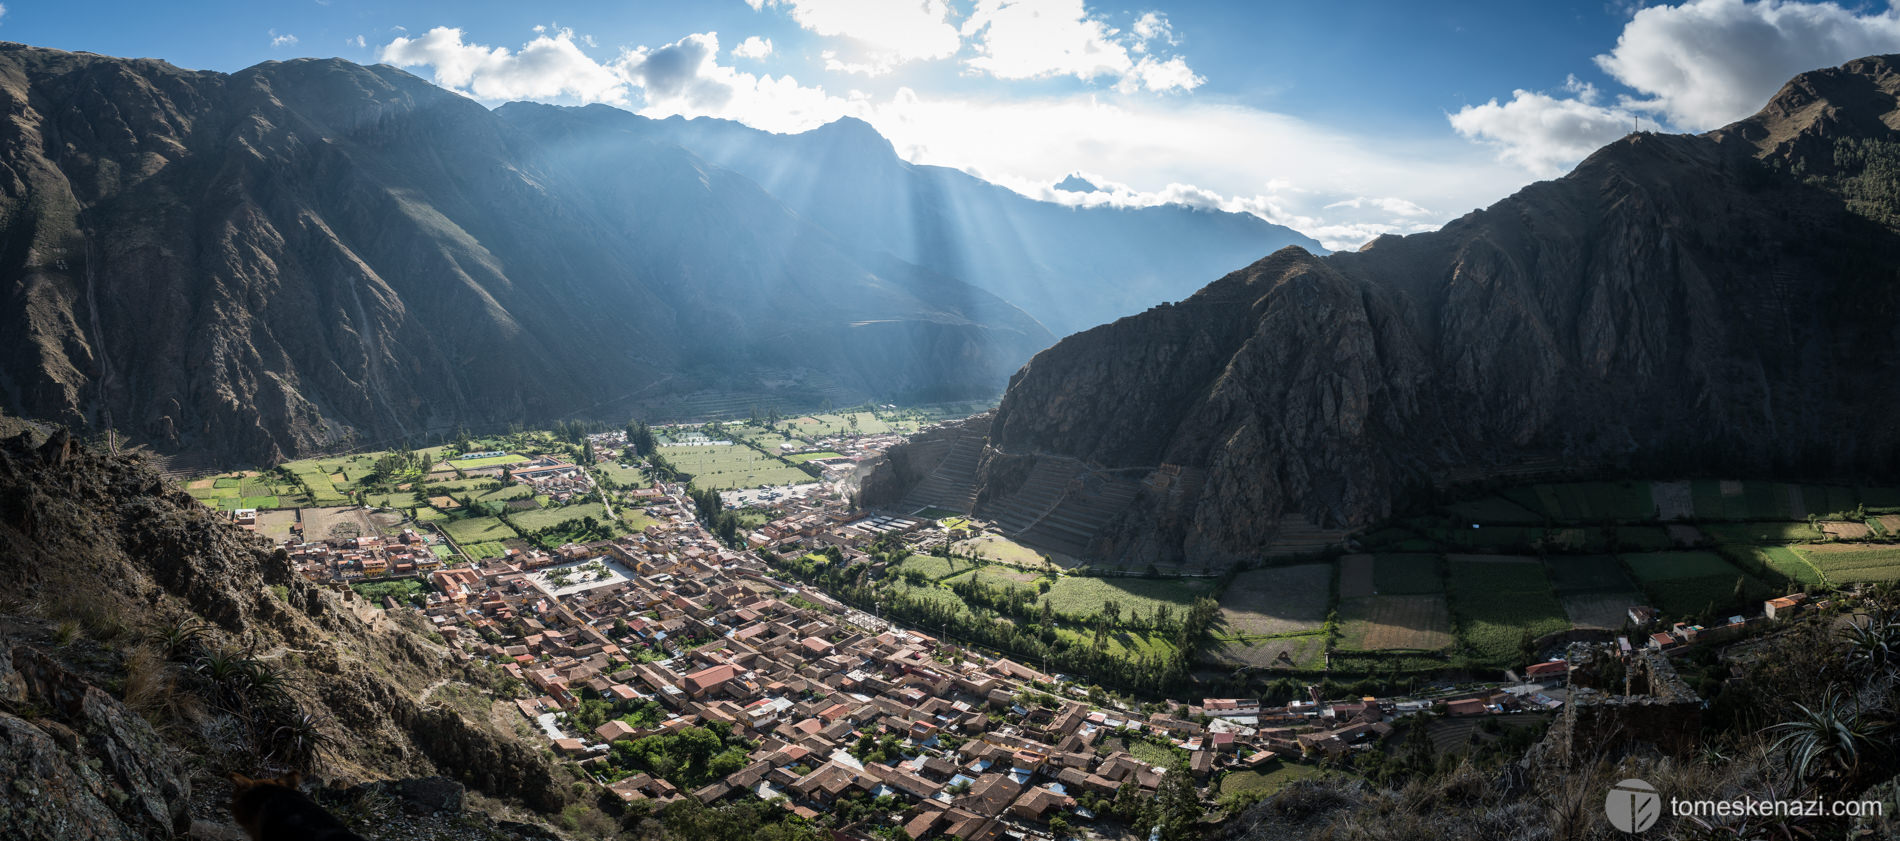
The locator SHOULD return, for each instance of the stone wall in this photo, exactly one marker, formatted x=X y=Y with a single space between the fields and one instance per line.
x=1656 y=708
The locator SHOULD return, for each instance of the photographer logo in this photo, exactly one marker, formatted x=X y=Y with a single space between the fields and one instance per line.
x=1633 y=805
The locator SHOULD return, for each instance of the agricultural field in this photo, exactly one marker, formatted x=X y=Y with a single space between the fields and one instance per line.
x=1394 y=623
x=1080 y=596
x=1765 y=533
x=731 y=467
x=1276 y=600
x=827 y=425
x=1608 y=611
x=401 y=499
x=478 y=530
x=930 y=593
x=933 y=567
x=1589 y=502
x=1002 y=550
x=1849 y=562
x=1686 y=584
x=1355 y=577
x=485 y=550
x=1298 y=651
x=1780 y=560
x=801 y=458
x=626 y=477
x=1499 y=605
x=1248 y=785
x=1586 y=574
x=1494 y=510
x=1644 y=538
x=488 y=461
x=997 y=578
x=1673 y=500
x=528 y=522
x=1401 y=575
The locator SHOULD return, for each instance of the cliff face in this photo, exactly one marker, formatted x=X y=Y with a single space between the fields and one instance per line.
x=305 y=253
x=123 y=596
x=1718 y=302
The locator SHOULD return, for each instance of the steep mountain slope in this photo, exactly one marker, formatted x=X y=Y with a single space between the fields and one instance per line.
x=311 y=252
x=147 y=647
x=1719 y=302
x=1070 y=268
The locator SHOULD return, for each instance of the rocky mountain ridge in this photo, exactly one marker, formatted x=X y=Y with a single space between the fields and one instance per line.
x=308 y=255
x=1715 y=303
x=127 y=608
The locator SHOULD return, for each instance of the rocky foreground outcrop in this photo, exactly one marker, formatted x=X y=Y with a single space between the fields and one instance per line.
x=126 y=604
x=1716 y=303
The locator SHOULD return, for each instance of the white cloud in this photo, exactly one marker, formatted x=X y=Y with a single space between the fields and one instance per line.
x=1543 y=133
x=753 y=48
x=1706 y=63
x=1153 y=26
x=1031 y=39
x=284 y=40
x=3 y=10
x=1201 y=154
x=684 y=77
x=1027 y=39
x=550 y=66
x=357 y=42
x=1160 y=76
x=1694 y=66
x=886 y=33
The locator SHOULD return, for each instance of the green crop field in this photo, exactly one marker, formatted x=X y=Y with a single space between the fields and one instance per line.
x=403 y=499
x=501 y=494
x=933 y=567
x=489 y=461
x=1687 y=584
x=262 y=502
x=478 y=530
x=1663 y=566
x=484 y=551
x=728 y=467
x=1268 y=780
x=626 y=477
x=820 y=426
x=1497 y=605
x=529 y=522
x=1398 y=575
x=1644 y=538
x=1586 y=573
x=1779 y=559
x=1881 y=499
x=998 y=578
x=930 y=593
x=1001 y=549
x=1493 y=538
x=1845 y=562
x=1079 y=596
x=1761 y=533
x=1494 y=510
x=1394 y=623
x=801 y=458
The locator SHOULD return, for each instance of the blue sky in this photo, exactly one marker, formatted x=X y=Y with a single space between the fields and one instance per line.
x=1341 y=119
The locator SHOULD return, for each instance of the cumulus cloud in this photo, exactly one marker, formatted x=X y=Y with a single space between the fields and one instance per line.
x=886 y=33
x=357 y=42
x=1706 y=63
x=550 y=66
x=753 y=48
x=276 y=40
x=1697 y=65
x=1543 y=133
x=1031 y=39
x=684 y=77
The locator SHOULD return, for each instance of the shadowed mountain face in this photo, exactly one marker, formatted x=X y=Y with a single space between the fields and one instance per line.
x=309 y=253
x=1724 y=302
x=1070 y=268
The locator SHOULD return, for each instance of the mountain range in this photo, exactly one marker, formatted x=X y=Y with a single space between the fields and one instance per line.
x=313 y=254
x=1724 y=303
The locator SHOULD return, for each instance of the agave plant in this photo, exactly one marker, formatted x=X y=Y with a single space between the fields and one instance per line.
x=297 y=740
x=180 y=638
x=1833 y=736
x=1873 y=642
